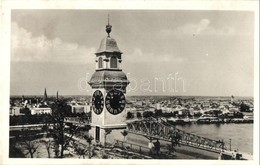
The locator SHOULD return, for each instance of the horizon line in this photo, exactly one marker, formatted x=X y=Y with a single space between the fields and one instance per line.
x=136 y=95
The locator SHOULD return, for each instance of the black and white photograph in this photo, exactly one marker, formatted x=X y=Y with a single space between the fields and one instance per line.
x=89 y=84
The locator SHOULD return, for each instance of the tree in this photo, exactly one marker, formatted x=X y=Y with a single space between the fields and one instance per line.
x=61 y=134
x=25 y=111
x=147 y=114
x=48 y=143
x=29 y=145
x=244 y=107
x=238 y=115
x=88 y=138
x=166 y=114
x=158 y=113
x=14 y=151
x=124 y=133
x=80 y=151
x=90 y=148
x=47 y=120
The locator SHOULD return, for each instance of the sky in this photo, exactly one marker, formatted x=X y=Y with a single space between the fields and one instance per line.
x=165 y=52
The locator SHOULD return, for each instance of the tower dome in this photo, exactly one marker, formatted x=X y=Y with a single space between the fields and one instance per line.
x=109 y=45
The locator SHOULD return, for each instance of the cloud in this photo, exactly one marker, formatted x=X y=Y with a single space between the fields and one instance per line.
x=25 y=47
x=139 y=56
x=203 y=27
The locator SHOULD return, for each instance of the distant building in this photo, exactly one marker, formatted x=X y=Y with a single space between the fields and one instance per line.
x=158 y=106
x=42 y=110
x=80 y=108
x=15 y=111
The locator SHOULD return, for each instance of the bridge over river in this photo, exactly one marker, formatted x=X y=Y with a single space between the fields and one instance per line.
x=159 y=129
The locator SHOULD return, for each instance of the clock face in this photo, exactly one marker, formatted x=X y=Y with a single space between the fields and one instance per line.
x=115 y=101
x=98 y=102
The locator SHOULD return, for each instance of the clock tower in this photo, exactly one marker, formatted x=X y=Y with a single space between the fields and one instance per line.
x=108 y=84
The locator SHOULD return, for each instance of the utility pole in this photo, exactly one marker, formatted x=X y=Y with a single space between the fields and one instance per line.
x=230 y=144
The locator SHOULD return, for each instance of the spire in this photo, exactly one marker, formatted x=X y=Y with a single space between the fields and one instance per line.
x=108 y=27
x=108 y=19
x=57 y=96
x=45 y=95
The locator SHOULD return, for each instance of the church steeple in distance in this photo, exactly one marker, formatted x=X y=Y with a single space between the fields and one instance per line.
x=45 y=95
x=57 y=96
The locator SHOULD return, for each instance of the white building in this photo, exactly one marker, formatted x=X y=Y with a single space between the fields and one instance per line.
x=81 y=108
x=158 y=106
x=37 y=110
x=15 y=111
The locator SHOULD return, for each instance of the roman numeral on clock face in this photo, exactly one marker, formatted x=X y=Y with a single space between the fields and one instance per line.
x=108 y=106
x=115 y=101
x=98 y=102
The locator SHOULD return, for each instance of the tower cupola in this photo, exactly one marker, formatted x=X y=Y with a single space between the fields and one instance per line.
x=108 y=56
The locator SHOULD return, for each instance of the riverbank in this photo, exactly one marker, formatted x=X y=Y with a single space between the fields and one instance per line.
x=176 y=121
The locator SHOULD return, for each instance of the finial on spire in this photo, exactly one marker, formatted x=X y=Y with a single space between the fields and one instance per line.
x=108 y=19
x=108 y=27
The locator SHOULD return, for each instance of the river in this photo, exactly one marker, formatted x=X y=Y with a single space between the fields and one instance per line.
x=241 y=135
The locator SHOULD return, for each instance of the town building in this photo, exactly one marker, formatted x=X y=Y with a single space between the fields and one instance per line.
x=41 y=110
x=81 y=108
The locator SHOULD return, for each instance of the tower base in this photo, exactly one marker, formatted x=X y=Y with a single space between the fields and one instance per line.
x=108 y=133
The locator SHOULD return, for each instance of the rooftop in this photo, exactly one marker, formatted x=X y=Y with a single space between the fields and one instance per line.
x=108 y=44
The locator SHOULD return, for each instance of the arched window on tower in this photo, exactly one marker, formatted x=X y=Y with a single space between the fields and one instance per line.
x=100 y=62
x=113 y=62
